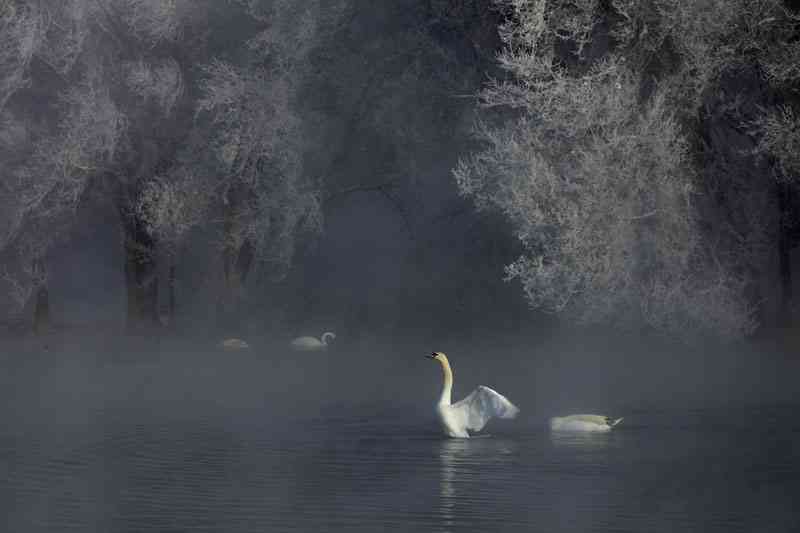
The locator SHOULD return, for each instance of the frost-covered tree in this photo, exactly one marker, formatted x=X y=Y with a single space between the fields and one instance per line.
x=731 y=69
x=42 y=192
x=593 y=163
x=779 y=137
x=47 y=162
x=20 y=35
x=151 y=108
x=246 y=153
x=100 y=86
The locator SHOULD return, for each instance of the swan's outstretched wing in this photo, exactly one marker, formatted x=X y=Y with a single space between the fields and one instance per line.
x=482 y=404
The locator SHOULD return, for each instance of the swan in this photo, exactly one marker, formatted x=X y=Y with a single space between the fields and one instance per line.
x=233 y=344
x=313 y=344
x=584 y=423
x=472 y=412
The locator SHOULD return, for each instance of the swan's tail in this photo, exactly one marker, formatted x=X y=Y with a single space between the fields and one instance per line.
x=615 y=422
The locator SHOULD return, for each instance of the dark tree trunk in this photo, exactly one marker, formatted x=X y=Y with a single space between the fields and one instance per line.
x=41 y=313
x=236 y=259
x=41 y=310
x=171 y=290
x=141 y=275
x=244 y=260
x=229 y=253
x=784 y=253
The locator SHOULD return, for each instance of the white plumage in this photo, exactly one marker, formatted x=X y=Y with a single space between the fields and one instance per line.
x=313 y=344
x=473 y=412
x=233 y=344
x=583 y=423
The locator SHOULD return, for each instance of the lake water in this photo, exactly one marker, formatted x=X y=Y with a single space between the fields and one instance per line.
x=154 y=444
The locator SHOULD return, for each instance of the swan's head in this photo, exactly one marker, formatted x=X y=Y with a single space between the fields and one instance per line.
x=439 y=356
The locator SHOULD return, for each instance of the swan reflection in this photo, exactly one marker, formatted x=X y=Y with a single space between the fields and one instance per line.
x=586 y=442
x=462 y=467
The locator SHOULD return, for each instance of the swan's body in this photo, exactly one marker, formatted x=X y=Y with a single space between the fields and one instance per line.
x=313 y=344
x=471 y=413
x=584 y=423
x=233 y=344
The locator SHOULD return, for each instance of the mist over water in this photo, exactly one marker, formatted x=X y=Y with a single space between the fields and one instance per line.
x=177 y=435
x=545 y=374
x=194 y=171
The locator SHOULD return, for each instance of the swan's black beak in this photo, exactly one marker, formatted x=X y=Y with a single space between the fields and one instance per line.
x=431 y=356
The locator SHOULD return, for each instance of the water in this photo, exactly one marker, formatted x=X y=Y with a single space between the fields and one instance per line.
x=148 y=444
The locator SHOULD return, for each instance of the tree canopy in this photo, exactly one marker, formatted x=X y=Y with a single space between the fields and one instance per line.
x=590 y=149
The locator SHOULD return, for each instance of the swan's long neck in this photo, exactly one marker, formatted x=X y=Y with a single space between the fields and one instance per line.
x=447 y=387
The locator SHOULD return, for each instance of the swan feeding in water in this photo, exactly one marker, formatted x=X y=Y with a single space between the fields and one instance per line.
x=472 y=412
x=583 y=423
x=313 y=344
x=233 y=344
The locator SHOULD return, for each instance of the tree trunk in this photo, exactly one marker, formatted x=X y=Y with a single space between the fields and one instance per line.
x=784 y=253
x=238 y=255
x=171 y=290
x=41 y=311
x=234 y=264
x=230 y=280
x=141 y=276
x=244 y=260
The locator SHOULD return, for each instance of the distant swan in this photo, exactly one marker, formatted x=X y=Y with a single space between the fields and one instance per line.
x=233 y=344
x=313 y=344
x=583 y=423
x=472 y=412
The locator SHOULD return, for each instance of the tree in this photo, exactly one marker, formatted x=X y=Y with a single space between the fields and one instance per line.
x=732 y=69
x=256 y=192
x=134 y=118
x=20 y=34
x=171 y=207
x=593 y=165
x=48 y=175
x=93 y=66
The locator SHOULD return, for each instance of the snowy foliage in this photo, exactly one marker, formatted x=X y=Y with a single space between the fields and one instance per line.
x=255 y=144
x=51 y=161
x=160 y=82
x=692 y=44
x=779 y=132
x=20 y=35
x=54 y=177
x=598 y=184
x=150 y=21
x=288 y=32
x=117 y=73
x=39 y=196
x=68 y=26
x=172 y=206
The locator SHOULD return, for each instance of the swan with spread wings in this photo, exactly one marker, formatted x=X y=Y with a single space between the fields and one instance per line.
x=473 y=412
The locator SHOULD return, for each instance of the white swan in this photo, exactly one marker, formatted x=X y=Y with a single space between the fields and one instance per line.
x=472 y=412
x=589 y=423
x=313 y=344
x=233 y=344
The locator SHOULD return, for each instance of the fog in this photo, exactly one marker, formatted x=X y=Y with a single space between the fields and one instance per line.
x=76 y=384
x=349 y=210
x=590 y=207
